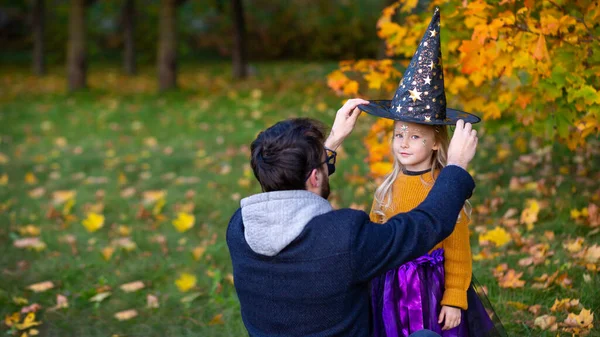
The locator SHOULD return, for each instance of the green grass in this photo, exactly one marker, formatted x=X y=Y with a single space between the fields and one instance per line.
x=202 y=135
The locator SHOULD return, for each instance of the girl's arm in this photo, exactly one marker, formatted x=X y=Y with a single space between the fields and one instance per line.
x=457 y=264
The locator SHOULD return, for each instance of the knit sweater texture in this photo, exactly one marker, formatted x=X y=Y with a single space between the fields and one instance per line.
x=408 y=191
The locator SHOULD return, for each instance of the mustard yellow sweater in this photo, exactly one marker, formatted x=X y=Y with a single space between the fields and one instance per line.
x=408 y=191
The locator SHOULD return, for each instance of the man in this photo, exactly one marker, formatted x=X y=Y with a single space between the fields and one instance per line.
x=302 y=268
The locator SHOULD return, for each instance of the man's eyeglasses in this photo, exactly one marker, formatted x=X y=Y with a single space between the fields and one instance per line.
x=330 y=161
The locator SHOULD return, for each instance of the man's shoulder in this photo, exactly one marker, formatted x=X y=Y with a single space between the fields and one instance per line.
x=343 y=217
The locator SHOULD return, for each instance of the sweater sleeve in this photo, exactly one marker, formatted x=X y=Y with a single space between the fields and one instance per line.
x=457 y=264
x=406 y=236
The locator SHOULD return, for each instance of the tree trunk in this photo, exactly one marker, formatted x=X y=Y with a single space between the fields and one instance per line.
x=76 y=55
x=128 y=37
x=167 y=62
x=240 y=66
x=39 y=64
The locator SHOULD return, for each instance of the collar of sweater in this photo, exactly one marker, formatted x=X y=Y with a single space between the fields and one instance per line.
x=272 y=220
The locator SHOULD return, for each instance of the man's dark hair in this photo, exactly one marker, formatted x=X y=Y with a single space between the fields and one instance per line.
x=284 y=154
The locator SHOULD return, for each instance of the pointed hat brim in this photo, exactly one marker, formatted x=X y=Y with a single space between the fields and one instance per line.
x=382 y=108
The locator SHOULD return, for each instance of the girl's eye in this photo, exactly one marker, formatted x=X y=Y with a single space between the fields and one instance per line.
x=415 y=137
x=399 y=135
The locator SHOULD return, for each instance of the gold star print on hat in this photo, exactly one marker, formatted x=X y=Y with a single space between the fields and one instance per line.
x=420 y=97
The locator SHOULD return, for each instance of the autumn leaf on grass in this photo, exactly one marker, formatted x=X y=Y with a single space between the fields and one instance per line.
x=518 y=305
x=186 y=282
x=28 y=322
x=150 y=197
x=198 y=252
x=593 y=215
x=132 y=286
x=565 y=304
x=29 y=230
x=574 y=246
x=11 y=320
x=31 y=308
x=61 y=303
x=100 y=297
x=191 y=297
x=107 y=252
x=584 y=320
x=184 y=222
x=60 y=197
x=546 y=322
x=20 y=300
x=511 y=280
x=529 y=216
x=126 y=315
x=498 y=236
x=30 y=243
x=124 y=243
x=152 y=302
x=30 y=178
x=217 y=320
x=93 y=222
x=592 y=254
x=41 y=287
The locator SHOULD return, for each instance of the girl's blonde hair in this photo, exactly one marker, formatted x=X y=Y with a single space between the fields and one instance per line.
x=439 y=159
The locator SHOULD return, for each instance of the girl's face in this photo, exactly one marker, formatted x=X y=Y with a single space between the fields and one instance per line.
x=413 y=145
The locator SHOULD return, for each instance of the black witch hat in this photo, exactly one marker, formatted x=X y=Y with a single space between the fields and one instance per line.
x=420 y=97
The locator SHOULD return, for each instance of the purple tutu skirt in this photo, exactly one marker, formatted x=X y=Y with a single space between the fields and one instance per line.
x=408 y=299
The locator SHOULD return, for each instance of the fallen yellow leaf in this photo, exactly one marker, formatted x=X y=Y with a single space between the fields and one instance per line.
x=583 y=320
x=184 y=222
x=28 y=322
x=498 y=236
x=186 y=282
x=93 y=222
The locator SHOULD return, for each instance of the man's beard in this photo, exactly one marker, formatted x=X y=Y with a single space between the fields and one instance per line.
x=325 y=190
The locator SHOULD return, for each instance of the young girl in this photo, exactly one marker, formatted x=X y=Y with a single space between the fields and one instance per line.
x=431 y=291
x=434 y=291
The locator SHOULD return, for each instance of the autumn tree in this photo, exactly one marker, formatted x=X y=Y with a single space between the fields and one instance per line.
x=240 y=66
x=534 y=64
x=76 y=52
x=128 y=23
x=38 y=23
x=167 y=44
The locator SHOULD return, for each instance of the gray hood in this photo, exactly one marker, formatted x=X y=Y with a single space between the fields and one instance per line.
x=274 y=219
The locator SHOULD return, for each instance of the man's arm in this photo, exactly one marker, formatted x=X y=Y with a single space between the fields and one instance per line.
x=344 y=122
x=406 y=236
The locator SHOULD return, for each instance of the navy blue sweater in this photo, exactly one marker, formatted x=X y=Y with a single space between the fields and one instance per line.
x=318 y=284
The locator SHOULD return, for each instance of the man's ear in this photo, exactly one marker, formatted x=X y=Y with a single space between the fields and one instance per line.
x=314 y=180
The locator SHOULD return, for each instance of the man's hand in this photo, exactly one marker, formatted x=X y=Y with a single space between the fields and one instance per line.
x=450 y=316
x=463 y=145
x=345 y=119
